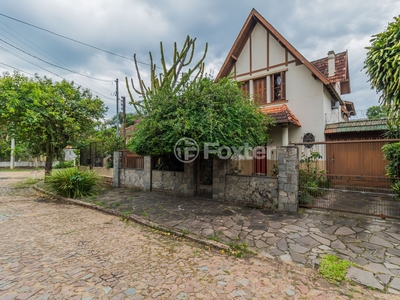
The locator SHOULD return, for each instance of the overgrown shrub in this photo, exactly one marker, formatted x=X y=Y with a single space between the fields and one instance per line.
x=64 y=164
x=391 y=152
x=73 y=183
x=311 y=179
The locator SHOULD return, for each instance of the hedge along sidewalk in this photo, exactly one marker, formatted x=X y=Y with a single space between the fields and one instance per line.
x=137 y=219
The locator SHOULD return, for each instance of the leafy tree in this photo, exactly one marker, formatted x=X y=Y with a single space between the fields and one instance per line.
x=47 y=115
x=207 y=112
x=383 y=67
x=376 y=112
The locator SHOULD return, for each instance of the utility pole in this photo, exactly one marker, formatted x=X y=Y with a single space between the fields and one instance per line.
x=12 y=159
x=123 y=104
x=117 y=95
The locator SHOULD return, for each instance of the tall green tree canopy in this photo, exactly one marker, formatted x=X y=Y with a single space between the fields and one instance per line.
x=47 y=115
x=383 y=68
x=207 y=112
x=376 y=112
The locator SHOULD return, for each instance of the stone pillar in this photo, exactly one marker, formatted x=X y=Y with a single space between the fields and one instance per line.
x=220 y=169
x=116 y=167
x=147 y=173
x=288 y=179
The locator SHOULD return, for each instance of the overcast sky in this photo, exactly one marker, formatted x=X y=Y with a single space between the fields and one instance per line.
x=126 y=27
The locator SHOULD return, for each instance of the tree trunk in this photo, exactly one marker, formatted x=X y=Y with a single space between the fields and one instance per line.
x=49 y=159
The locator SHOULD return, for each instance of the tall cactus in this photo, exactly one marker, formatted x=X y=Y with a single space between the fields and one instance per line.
x=171 y=78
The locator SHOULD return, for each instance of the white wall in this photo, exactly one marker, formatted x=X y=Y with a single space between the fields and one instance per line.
x=307 y=97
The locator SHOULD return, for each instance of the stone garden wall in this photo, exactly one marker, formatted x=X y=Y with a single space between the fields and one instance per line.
x=256 y=191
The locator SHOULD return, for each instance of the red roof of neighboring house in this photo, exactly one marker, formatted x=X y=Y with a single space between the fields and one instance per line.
x=341 y=70
x=281 y=114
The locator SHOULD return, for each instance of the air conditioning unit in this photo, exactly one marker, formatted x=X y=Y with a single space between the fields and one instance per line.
x=335 y=105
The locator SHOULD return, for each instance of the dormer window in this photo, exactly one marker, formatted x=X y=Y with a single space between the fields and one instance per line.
x=278 y=87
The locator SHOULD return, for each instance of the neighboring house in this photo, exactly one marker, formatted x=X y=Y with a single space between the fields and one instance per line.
x=302 y=96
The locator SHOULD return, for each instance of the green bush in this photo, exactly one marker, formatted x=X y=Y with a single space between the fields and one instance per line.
x=391 y=152
x=64 y=165
x=73 y=183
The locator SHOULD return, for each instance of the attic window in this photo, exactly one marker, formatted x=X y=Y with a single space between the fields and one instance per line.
x=278 y=88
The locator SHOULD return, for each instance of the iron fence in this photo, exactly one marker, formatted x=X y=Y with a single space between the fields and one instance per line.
x=93 y=155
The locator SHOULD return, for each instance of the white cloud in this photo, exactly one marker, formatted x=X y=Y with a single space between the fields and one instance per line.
x=135 y=26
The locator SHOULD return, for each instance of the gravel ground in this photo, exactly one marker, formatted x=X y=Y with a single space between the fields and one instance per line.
x=50 y=250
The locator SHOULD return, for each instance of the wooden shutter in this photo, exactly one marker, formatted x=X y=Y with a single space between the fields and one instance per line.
x=260 y=91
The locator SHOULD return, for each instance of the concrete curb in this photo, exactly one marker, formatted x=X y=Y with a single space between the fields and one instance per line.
x=137 y=219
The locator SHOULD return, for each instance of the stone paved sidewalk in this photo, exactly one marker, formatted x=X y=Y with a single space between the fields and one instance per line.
x=373 y=244
x=49 y=250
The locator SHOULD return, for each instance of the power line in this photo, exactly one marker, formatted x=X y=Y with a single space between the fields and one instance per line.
x=49 y=55
x=73 y=40
x=54 y=65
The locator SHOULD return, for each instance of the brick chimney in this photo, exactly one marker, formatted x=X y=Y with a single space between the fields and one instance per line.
x=331 y=63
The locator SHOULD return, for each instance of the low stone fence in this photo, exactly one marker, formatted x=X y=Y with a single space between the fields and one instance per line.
x=255 y=191
x=279 y=192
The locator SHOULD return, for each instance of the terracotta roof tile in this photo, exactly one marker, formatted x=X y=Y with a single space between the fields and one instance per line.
x=281 y=114
x=341 y=73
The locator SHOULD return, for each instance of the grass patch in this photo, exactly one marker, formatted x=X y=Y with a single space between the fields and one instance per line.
x=26 y=183
x=333 y=269
x=239 y=249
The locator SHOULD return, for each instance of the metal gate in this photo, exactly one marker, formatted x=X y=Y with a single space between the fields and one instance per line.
x=348 y=176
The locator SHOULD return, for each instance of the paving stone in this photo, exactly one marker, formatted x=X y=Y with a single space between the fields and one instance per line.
x=320 y=239
x=357 y=229
x=272 y=241
x=370 y=246
x=395 y=284
x=330 y=229
x=354 y=248
x=338 y=245
x=282 y=245
x=377 y=268
x=364 y=277
x=346 y=252
x=393 y=251
x=394 y=235
x=297 y=257
x=379 y=241
x=276 y=251
x=372 y=258
x=286 y=258
x=238 y=293
x=298 y=248
x=384 y=278
x=361 y=261
x=393 y=291
x=266 y=254
x=344 y=231
x=130 y=291
x=307 y=242
x=391 y=266
x=394 y=260
x=330 y=237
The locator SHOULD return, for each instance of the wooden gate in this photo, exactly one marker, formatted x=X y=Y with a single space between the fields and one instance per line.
x=356 y=158
x=351 y=177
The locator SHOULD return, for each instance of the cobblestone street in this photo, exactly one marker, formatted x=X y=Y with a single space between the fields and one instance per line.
x=50 y=250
